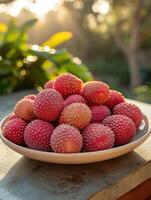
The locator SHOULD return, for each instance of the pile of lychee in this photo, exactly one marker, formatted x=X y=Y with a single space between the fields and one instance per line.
x=69 y=116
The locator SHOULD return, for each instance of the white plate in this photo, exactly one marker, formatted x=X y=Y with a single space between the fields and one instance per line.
x=86 y=157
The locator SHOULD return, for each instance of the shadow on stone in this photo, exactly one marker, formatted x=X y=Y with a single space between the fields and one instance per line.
x=34 y=180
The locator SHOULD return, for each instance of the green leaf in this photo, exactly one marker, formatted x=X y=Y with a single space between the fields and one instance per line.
x=5 y=67
x=28 y=24
x=3 y=27
x=80 y=70
x=57 y=39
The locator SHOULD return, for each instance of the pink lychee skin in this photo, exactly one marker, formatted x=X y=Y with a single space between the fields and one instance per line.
x=49 y=84
x=123 y=128
x=13 y=130
x=66 y=139
x=76 y=114
x=129 y=110
x=24 y=109
x=75 y=98
x=99 y=113
x=97 y=137
x=48 y=105
x=37 y=135
x=30 y=96
x=96 y=92
x=68 y=84
x=115 y=98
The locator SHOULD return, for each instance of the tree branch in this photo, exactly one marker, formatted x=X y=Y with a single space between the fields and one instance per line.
x=6 y=1
x=135 y=31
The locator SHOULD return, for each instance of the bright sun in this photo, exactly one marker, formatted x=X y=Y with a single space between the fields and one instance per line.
x=39 y=7
x=101 y=6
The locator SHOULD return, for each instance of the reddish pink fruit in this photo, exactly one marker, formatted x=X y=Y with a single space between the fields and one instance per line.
x=37 y=135
x=75 y=98
x=30 y=96
x=96 y=92
x=14 y=129
x=24 y=109
x=99 y=113
x=114 y=99
x=49 y=84
x=76 y=114
x=68 y=84
x=48 y=105
x=97 y=137
x=129 y=110
x=66 y=139
x=123 y=128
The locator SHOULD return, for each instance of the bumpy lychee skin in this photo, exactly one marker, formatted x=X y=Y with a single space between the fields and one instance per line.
x=14 y=129
x=123 y=128
x=37 y=135
x=76 y=114
x=97 y=137
x=129 y=110
x=115 y=98
x=99 y=113
x=49 y=84
x=66 y=139
x=68 y=84
x=48 y=105
x=75 y=98
x=96 y=92
x=30 y=96
x=24 y=109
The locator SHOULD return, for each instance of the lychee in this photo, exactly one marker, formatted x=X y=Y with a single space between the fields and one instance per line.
x=66 y=139
x=97 y=137
x=76 y=114
x=24 y=109
x=68 y=84
x=96 y=92
x=123 y=128
x=49 y=84
x=115 y=98
x=129 y=110
x=48 y=105
x=13 y=130
x=99 y=113
x=75 y=98
x=37 y=135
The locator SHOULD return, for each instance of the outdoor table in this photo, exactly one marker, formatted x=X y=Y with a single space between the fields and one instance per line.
x=25 y=179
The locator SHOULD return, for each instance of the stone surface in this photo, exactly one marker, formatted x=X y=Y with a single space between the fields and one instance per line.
x=22 y=178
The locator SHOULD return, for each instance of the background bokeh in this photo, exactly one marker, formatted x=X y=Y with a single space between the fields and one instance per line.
x=111 y=37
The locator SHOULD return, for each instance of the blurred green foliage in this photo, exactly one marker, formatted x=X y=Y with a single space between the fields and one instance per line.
x=25 y=66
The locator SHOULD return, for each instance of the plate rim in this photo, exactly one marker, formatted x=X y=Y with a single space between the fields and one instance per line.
x=138 y=141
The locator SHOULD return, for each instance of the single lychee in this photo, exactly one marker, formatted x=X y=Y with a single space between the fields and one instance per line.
x=99 y=113
x=129 y=110
x=24 y=109
x=76 y=114
x=75 y=98
x=37 y=135
x=115 y=98
x=96 y=92
x=97 y=137
x=48 y=105
x=68 y=84
x=13 y=130
x=49 y=84
x=30 y=96
x=123 y=128
x=66 y=139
